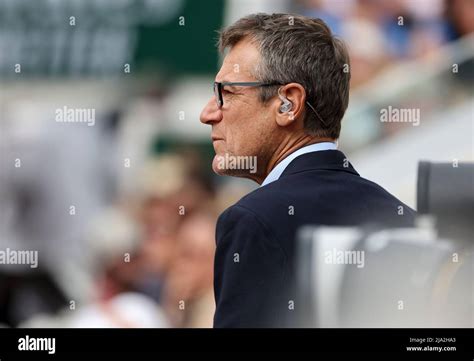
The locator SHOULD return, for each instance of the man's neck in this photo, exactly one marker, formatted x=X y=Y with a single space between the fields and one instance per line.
x=289 y=147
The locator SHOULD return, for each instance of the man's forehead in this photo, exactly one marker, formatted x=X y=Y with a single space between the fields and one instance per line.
x=239 y=63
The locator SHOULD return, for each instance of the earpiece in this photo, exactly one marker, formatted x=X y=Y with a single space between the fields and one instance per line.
x=287 y=105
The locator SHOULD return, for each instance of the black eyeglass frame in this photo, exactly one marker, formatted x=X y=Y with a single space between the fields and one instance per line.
x=220 y=99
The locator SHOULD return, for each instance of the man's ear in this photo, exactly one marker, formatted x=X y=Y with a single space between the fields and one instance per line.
x=289 y=105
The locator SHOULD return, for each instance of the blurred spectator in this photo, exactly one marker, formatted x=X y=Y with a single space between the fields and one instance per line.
x=189 y=294
x=380 y=33
x=332 y=12
x=368 y=57
x=158 y=248
x=171 y=192
x=460 y=18
x=161 y=180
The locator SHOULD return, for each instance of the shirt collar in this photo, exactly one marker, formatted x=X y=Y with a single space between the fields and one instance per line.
x=280 y=167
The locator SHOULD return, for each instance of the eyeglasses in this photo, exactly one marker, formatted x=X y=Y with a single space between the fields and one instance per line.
x=220 y=99
x=219 y=85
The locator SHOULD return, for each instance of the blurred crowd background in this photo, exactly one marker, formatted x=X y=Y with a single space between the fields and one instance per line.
x=122 y=209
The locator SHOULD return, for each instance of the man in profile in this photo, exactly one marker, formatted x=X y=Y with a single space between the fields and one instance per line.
x=279 y=98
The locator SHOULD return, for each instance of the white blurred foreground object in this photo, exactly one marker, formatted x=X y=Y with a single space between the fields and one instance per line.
x=126 y=310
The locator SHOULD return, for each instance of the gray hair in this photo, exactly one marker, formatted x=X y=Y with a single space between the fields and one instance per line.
x=298 y=49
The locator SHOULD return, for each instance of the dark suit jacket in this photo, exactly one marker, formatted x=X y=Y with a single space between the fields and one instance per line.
x=254 y=261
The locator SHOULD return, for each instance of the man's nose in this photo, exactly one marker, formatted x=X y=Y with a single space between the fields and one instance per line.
x=211 y=112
